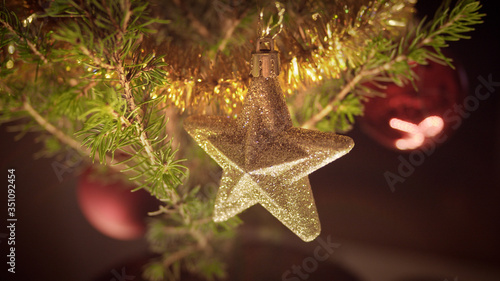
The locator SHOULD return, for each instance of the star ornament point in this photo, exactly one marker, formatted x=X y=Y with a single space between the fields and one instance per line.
x=266 y=160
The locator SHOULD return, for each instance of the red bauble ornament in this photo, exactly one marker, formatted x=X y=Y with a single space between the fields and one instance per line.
x=407 y=119
x=111 y=207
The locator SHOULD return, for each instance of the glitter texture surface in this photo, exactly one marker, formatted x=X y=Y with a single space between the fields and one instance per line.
x=266 y=160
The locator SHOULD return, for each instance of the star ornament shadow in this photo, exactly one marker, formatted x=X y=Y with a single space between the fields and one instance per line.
x=266 y=160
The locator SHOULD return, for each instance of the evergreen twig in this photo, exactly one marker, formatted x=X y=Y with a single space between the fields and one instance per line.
x=28 y=42
x=347 y=88
x=423 y=43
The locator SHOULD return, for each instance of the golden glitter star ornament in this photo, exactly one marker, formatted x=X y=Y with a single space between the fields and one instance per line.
x=264 y=158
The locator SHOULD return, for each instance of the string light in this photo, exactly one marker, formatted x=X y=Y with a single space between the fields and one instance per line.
x=28 y=20
x=11 y=49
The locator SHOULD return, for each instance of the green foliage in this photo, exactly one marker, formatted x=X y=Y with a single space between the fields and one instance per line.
x=338 y=120
x=388 y=60
x=106 y=38
x=190 y=226
x=26 y=37
x=343 y=117
x=87 y=80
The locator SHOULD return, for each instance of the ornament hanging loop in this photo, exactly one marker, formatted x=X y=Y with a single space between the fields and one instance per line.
x=265 y=31
x=265 y=60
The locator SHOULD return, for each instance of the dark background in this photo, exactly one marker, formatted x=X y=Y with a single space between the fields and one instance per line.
x=442 y=222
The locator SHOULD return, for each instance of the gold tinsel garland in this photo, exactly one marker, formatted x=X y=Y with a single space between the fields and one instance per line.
x=315 y=46
x=317 y=42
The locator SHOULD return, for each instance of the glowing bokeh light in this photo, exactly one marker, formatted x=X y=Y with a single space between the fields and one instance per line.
x=416 y=134
x=431 y=126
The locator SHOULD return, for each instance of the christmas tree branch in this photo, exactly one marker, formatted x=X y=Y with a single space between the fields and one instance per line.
x=384 y=59
x=98 y=62
x=60 y=135
x=195 y=23
x=31 y=45
x=64 y=138
x=229 y=32
x=138 y=116
x=201 y=244
x=107 y=37
x=351 y=85
x=181 y=254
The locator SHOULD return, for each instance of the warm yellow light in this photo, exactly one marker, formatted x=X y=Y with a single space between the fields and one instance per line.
x=396 y=23
x=11 y=49
x=28 y=20
x=311 y=74
x=295 y=67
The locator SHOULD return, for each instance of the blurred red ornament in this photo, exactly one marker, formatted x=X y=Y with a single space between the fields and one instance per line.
x=111 y=207
x=407 y=119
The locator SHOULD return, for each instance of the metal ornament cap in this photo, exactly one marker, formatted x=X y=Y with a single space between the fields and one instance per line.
x=265 y=59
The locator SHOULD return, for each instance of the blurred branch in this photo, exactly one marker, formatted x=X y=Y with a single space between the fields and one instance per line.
x=195 y=23
x=30 y=44
x=362 y=75
x=62 y=137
